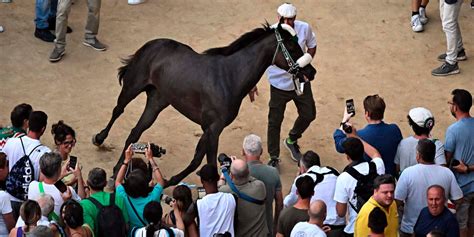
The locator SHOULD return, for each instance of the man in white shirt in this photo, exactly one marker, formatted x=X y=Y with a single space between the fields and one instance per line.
x=282 y=91
x=345 y=184
x=313 y=227
x=16 y=148
x=410 y=192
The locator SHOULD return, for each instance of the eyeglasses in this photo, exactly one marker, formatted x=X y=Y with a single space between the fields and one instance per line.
x=69 y=143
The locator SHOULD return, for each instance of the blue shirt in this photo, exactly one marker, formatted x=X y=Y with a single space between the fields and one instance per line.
x=445 y=222
x=460 y=142
x=384 y=137
x=138 y=203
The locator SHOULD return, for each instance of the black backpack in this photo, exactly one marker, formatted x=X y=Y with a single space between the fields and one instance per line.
x=365 y=185
x=110 y=221
x=21 y=175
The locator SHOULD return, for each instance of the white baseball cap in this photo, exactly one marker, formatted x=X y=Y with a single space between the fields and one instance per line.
x=422 y=117
x=287 y=10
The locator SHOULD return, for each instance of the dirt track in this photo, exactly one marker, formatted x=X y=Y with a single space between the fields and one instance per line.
x=364 y=47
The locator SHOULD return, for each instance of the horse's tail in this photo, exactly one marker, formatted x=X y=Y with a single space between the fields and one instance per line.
x=130 y=61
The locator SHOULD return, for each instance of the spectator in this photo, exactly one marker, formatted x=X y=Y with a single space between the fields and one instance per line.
x=91 y=31
x=3 y=171
x=324 y=190
x=436 y=216
x=384 y=188
x=418 y=14
x=135 y=190
x=282 y=91
x=384 y=137
x=377 y=222
x=152 y=214
x=184 y=199
x=251 y=219
x=7 y=222
x=422 y=122
x=65 y=140
x=51 y=171
x=345 y=185
x=213 y=219
x=45 y=10
x=19 y=118
x=290 y=216
x=313 y=227
x=459 y=147
x=30 y=145
x=30 y=212
x=41 y=231
x=97 y=180
x=252 y=150
x=412 y=185
x=449 y=12
x=73 y=217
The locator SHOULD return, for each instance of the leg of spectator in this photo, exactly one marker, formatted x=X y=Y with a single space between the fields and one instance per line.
x=64 y=8
x=93 y=17
x=450 y=27
x=43 y=8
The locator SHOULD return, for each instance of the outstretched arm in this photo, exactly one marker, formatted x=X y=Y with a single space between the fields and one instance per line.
x=156 y=171
x=124 y=166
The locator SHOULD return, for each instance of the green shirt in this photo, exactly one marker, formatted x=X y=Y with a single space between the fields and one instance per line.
x=9 y=132
x=91 y=211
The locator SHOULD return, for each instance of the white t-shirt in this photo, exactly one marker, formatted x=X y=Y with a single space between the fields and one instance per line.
x=305 y=229
x=406 y=153
x=345 y=186
x=159 y=233
x=5 y=208
x=412 y=185
x=322 y=191
x=14 y=151
x=216 y=214
x=34 y=194
x=278 y=77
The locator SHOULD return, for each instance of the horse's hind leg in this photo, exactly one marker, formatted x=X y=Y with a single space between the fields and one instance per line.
x=126 y=95
x=154 y=105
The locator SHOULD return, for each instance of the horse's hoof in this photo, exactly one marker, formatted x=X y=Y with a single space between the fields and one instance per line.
x=95 y=141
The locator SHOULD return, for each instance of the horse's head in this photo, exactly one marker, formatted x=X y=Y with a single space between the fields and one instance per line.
x=288 y=54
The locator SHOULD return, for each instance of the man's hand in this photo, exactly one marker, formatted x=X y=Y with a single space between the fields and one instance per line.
x=253 y=93
x=149 y=153
x=462 y=168
x=347 y=116
x=66 y=195
x=128 y=154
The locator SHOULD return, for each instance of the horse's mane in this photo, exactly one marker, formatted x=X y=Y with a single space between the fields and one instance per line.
x=244 y=40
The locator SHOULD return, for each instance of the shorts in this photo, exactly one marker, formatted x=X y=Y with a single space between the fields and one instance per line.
x=465 y=211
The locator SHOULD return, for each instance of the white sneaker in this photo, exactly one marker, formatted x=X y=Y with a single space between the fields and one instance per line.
x=423 y=18
x=135 y=2
x=416 y=25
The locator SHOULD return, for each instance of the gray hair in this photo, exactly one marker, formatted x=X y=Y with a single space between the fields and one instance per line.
x=252 y=145
x=50 y=165
x=46 y=203
x=41 y=231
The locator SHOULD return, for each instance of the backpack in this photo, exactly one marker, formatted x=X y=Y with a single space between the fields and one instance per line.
x=110 y=220
x=21 y=175
x=365 y=185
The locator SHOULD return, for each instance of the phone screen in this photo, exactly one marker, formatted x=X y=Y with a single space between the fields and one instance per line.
x=201 y=192
x=60 y=186
x=72 y=162
x=350 y=107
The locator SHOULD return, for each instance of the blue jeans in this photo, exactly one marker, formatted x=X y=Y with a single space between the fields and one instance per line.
x=45 y=9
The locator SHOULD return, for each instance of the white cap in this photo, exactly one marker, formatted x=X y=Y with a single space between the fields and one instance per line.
x=287 y=10
x=422 y=117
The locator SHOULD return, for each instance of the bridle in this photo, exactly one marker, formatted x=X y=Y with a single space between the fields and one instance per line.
x=293 y=67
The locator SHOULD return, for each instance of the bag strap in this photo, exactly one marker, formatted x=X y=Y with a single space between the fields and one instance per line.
x=95 y=202
x=31 y=152
x=372 y=168
x=112 y=199
x=135 y=211
x=240 y=194
x=355 y=174
x=52 y=216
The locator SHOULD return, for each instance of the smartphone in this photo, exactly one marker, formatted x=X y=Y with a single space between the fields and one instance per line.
x=139 y=147
x=72 y=162
x=61 y=186
x=201 y=192
x=350 y=107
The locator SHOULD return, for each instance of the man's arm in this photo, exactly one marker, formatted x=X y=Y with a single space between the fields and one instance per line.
x=312 y=51
x=278 y=208
x=156 y=171
x=9 y=221
x=368 y=149
x=341 y=209
x=124 y=166
x=449 y=155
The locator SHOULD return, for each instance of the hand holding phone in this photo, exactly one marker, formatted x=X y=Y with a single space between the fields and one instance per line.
x=139 y=147
x=350 y=107
x=61 y=186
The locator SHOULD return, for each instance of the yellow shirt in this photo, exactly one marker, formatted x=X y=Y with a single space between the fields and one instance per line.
x=361 y=227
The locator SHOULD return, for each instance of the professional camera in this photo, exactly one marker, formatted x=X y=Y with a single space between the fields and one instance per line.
x=167 y=199
x=156 y=150
x=224 y=160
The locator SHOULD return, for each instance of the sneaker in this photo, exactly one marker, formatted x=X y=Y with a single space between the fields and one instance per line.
x=294 y=150
x=461 y=56
x=416 y=25
x=423 y=18
x=56 y=55
x=95 y=44
x=274 y=162
x=44 y=35
x=446 y=69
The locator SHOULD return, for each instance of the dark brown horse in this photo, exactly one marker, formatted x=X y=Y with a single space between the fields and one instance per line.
x=207 y=88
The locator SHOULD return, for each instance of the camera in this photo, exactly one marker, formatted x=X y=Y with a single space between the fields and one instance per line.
x=224 y=160
x=156 y=150
x=167 y=199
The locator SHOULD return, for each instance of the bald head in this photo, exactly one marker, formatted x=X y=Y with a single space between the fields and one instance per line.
x=46 y=203
x=317 y=211
x=240 y=171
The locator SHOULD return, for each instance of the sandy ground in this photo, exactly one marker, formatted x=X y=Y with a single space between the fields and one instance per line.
x=364 y=47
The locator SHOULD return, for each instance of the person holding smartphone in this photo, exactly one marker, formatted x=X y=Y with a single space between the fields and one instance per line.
x=65 y=140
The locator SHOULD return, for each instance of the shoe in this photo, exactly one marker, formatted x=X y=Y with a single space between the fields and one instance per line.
x=56 y=55
x=95 y=44
x=274 y=162
x=135 y=2
x=44 y=35
x=446 y=69
x=294 y=150
x=460 y=57
x=423 y=18
x=472 y=4
x=416 y=25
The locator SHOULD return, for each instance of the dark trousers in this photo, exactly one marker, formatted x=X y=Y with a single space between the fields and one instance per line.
x=16 y=209
x=306 y=114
